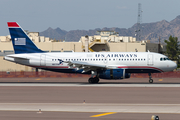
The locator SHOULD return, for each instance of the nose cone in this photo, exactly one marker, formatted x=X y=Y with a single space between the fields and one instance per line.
x=173 y=65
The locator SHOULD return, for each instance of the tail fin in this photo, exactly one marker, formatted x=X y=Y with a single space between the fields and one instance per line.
x=21 y=42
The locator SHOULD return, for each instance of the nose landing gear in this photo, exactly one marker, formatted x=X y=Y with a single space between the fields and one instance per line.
x=150 y=78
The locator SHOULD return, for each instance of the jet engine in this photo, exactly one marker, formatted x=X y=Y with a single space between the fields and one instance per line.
x=114 y=74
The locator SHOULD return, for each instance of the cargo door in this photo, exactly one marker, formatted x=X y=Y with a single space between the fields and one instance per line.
x=43 y=60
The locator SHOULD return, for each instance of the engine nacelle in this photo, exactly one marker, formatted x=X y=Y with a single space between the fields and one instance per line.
x=114 y=74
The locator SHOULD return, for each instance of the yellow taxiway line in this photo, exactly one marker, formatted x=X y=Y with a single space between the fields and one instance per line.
x=103 y=114
x=38 y=79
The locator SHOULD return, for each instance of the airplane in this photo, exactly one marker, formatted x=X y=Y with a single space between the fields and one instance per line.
x=103 y=65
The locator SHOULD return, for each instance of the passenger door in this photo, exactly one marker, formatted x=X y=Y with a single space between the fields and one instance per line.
x=43 y=60
x=150 y=60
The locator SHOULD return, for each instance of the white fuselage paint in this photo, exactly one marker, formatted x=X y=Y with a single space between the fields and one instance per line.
x=111 y=60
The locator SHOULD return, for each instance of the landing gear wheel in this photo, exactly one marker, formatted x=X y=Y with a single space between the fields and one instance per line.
x=150 y=78
x=90 y=80
x=96 y=80
x=93 y=80
x=151 y=81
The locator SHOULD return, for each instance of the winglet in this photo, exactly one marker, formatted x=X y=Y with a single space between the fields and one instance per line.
x=12 y=24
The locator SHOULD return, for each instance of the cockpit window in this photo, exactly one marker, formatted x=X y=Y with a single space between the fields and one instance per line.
x=164 y=59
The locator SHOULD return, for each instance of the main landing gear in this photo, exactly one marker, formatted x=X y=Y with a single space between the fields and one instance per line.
x=150 y=78
x=93 y=79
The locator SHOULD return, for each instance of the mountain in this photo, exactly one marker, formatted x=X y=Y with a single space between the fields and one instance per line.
x=150 y=31
x=54 y=33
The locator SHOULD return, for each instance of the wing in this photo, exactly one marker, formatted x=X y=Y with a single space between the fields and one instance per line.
x=91 y=67
x=85 y=66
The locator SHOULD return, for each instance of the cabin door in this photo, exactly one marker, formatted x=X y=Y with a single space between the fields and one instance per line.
x=43 y=60
x=150 y=60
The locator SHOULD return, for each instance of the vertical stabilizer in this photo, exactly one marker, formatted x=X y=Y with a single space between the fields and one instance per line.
x=21 y=42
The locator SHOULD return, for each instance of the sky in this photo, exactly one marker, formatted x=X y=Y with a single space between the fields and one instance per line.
x=38 y=15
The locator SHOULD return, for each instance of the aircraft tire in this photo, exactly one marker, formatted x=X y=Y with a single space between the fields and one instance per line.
x=90 y=80
x=150 y=80
x=96 y=80
x=93 y=80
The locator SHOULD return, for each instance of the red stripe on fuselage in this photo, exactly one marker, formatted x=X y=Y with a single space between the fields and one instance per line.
x=12 y=24
x=139 y=67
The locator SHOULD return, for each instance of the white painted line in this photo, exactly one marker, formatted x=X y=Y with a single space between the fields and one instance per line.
x=94 y=107
x=88 y=85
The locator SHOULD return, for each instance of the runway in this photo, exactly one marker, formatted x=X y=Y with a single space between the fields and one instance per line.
x=60 y=99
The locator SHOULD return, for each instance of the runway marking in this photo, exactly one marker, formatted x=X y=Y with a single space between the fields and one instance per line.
x=38 y=79
x=93 y=107
x=160 y=79
x=88 y=85
x=103 y=114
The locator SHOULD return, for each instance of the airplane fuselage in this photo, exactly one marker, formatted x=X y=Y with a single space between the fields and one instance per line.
x=132 y=62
